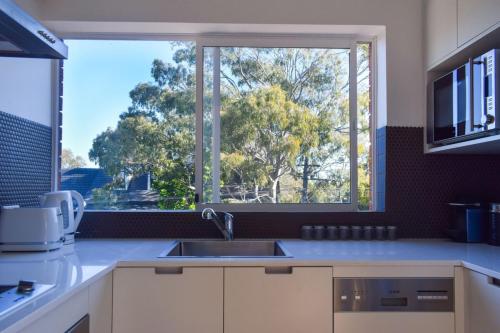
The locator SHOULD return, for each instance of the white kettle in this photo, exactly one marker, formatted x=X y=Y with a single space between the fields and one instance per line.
x=71 y=215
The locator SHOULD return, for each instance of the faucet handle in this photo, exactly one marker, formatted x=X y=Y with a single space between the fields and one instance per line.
x=207 y=213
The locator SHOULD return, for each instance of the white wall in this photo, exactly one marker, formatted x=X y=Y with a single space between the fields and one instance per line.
x=403 y=20
x=25 y=88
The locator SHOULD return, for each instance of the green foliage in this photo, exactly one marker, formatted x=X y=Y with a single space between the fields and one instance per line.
x=69 y=160
x=104 y=198
x=264 y=133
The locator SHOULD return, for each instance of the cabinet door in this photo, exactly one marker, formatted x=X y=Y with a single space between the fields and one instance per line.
x=483 y=303
x=440 y=29
x=277 y=300
x=101 y=304
x=476 y=16
x=394 y=322
x=170 y=300
x=60 y=319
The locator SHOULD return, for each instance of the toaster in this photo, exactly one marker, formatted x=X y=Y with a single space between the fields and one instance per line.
x=31 y=229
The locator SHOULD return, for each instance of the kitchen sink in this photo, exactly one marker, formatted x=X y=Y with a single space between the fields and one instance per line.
x=222 y=248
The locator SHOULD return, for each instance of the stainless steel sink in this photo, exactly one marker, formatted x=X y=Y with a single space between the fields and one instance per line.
x=222 y=248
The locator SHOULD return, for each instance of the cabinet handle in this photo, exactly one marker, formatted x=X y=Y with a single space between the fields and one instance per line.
x=279 y=270
x=168 y=270
x=494 y=281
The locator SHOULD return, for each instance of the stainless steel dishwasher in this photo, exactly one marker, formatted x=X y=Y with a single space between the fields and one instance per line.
x=394 y=305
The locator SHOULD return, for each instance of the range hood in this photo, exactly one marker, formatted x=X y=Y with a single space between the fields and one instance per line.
x=23 y=36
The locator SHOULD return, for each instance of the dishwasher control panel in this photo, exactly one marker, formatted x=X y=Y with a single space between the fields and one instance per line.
x=393 y=294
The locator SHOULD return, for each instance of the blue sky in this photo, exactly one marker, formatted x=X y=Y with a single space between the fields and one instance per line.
x=98 y=77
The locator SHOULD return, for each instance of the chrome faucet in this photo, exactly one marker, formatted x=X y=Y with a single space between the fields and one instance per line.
x=225 y=228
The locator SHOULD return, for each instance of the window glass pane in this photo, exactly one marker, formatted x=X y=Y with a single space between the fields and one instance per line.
x=284 y=125
x=365 y=149
x=129 y=124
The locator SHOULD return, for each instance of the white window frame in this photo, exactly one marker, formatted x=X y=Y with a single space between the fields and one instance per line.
x=302 y=41
x=263 y=40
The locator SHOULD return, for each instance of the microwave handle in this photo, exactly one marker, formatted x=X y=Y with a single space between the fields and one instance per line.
x=471 y=94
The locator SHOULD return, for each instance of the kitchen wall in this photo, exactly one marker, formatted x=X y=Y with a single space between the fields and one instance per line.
x=403 y=20
x=26 y=88
x=25 y=130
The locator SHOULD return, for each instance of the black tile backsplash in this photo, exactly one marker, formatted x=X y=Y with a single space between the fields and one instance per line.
x=417 y=189
x=25 y=160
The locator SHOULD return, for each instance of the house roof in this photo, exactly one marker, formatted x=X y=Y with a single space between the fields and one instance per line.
x=84 y=180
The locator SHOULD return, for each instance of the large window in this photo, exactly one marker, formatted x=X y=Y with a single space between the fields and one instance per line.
x=241 y=124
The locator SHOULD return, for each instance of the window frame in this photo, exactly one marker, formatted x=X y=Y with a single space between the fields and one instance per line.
x=273 y=41
x=345 y=41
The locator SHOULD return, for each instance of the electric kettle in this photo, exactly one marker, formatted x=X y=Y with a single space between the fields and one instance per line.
x=71 y=215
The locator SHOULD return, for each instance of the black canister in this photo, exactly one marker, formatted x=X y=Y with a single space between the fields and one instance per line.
x=319 y=232
x=344 y=232
x=368 y=232
x=380 y=232
x=356 y=232
x=306 y=232
x=332 y=232
x=392 y=232
x=494 y=225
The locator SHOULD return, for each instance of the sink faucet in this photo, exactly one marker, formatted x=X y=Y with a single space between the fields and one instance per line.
x=225 y=228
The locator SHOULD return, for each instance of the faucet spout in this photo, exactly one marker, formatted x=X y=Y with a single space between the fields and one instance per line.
x=226 y=227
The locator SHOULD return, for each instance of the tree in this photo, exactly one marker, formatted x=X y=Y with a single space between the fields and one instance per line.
x=264 y=132
x=314 y=79
x=156 y=133
x=69 y=160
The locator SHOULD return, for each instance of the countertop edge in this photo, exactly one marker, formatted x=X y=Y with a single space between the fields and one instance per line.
x=52 y=304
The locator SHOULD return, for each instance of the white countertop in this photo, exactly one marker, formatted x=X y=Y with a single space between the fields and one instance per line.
x=77 y=266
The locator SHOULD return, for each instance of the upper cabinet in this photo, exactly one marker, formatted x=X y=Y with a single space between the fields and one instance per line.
x=440 y=29
x=475 y=17
x=455 y=27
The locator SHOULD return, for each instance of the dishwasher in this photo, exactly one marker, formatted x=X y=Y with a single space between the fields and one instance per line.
x=394 y=305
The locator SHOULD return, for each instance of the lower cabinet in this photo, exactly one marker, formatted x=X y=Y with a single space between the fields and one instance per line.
x=94 y=301
x=394 y=322
x=170 y=300
x=482 y=309
x=101 y=304
x=223 y=300
x=278 y=300
x=63 y=316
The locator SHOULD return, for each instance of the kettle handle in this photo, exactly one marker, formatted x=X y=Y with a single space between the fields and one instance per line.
x=81 y=205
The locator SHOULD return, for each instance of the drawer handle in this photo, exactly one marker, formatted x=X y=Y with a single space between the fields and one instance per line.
x=494 y=281
x=279 y=270
x=168 y=270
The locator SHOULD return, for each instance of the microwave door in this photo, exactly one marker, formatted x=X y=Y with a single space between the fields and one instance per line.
x=461 y=100
x=444 y=122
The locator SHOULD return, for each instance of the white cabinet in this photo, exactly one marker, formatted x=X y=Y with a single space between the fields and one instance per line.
x=388 y=322
x=169 y=299
x=440 y=29
x=101 y=305
x=63 y=316
x=277 y=300
x=476 y=16
x=96 y=301
x=482 y=308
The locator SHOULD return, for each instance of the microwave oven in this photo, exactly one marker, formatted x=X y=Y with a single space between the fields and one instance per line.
x=466 y=100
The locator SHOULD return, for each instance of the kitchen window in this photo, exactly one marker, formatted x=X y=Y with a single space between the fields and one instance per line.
x=243 y=124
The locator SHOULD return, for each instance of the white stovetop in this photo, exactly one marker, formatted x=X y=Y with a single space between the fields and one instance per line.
x=77 y=266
